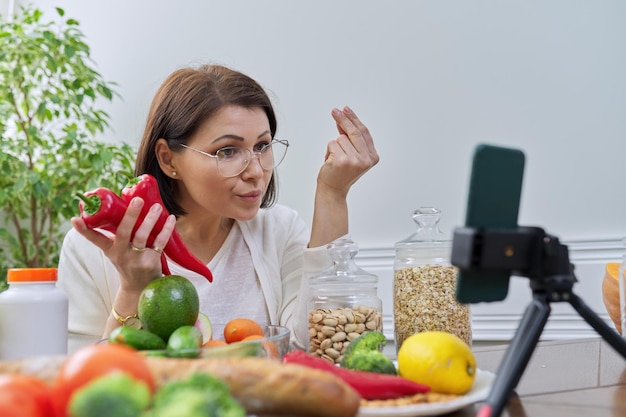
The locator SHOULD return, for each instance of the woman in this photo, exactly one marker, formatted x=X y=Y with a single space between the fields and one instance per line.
x=210 y=142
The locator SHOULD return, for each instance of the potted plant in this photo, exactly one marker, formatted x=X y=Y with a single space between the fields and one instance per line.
x=49 y=117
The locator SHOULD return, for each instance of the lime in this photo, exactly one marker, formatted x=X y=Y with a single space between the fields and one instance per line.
x=168 y=303
x=185 y=342
x=440 y=360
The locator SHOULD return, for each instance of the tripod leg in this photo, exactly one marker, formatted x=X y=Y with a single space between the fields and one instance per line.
x=608 y=334
x=517 y=356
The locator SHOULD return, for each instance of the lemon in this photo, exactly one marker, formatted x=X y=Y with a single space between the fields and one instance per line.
x=440 y=360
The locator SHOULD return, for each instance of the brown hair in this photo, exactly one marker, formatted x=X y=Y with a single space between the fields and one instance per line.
x=187 y=98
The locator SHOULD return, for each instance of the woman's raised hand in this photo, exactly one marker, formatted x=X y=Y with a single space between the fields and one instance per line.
x=348 y=156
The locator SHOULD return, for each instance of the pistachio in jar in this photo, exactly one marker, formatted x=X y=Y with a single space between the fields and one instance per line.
x=332 y=330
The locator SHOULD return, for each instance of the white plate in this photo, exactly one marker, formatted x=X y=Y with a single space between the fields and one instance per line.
x=478 y=392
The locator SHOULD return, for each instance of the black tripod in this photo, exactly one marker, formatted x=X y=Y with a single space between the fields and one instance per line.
x=546 y=262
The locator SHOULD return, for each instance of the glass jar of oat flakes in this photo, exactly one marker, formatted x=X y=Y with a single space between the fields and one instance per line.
x=342 y=304
x=424 y=285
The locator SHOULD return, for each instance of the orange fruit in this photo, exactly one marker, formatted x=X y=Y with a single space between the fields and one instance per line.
x=214 y=342
x=610 y=294
x=238 y=329
x=269 y=347
x=252 y=337
x=271 y=350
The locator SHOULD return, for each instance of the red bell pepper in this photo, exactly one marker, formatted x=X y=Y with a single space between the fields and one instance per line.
x=147 y=187
x=369 y=385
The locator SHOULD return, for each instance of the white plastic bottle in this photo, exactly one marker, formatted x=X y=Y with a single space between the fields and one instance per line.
x=33 y=314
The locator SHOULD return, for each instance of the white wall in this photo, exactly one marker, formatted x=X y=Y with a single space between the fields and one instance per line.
x=431 y=79
x=7 y=8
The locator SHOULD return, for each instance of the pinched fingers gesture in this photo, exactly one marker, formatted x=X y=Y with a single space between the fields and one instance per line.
x=350 y=155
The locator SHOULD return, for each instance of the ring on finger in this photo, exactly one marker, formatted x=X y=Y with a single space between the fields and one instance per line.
x=136 y=249
x=157 y=249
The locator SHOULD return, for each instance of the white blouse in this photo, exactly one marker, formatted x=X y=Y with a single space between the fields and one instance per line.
x=222 y=301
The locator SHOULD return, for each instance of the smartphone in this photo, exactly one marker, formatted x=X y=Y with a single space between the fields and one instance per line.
x=493 y=203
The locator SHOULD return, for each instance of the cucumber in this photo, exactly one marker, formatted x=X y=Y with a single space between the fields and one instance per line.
x=155 y=353
x=185 y=342
x=139 y=339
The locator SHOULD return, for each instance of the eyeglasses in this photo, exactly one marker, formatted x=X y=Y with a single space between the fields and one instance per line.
x=233 y=160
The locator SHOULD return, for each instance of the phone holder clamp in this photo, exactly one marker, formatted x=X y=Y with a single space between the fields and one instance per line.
x=527 y=252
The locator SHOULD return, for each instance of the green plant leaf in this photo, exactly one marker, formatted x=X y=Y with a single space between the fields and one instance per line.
x=50 y=98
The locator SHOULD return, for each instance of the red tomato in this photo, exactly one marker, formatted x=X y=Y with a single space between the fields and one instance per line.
x=14 y=403
x=34 y=389
x=93 y=361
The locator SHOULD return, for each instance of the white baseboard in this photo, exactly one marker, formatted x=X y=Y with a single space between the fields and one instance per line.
x=498 y=321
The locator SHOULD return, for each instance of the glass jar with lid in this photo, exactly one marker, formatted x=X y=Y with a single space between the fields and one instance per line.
x=424 y=285
x=342 y=303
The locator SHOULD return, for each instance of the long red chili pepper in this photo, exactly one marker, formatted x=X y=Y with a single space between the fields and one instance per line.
x=370 y=385
x=101 y=208
x=147 y=187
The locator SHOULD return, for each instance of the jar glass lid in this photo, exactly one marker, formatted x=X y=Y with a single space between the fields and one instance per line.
x=427 y=220
x=344 y=269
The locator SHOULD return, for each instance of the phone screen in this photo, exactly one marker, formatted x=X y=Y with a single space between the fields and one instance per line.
x=493 y=202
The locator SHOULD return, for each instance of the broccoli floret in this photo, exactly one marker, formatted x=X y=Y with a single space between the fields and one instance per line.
x=367 y=341
x=116 y=394
x=200 y=395
x=371 y=361
x=197 y=381
x=195 y=403
x=365 y=354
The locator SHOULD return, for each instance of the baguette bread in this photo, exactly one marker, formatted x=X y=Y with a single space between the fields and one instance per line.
x=269 y=387
x=262 y=386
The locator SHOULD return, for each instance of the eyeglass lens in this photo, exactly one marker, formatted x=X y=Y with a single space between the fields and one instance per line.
x=232 y=161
